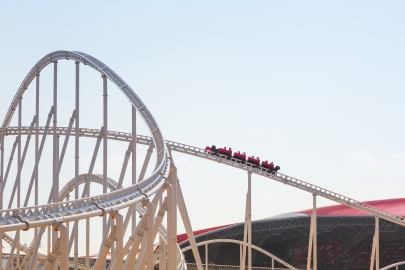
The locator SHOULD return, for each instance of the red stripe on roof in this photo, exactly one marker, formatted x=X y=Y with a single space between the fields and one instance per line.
x=183 y=237
x=395 y=206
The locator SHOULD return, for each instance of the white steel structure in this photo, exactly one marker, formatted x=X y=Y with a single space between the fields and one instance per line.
x=155 y=197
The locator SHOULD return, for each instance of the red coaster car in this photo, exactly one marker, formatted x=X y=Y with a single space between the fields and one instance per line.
x=267 y=165
x=211 y=150
x=254 y=161
x=225 y=152
x=240 y=156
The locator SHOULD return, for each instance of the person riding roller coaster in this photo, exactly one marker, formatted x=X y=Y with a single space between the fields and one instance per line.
x=241 y=158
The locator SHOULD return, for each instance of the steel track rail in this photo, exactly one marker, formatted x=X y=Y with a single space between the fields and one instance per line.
x=199 y=152
x=238 y=242
x=84 y=208
x=288 y=180
x=69 y=187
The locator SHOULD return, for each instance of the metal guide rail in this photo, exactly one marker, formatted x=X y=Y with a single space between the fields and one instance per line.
x=69 y=210
x=62 y=195
x=193 y=266
x=44 y=215
x=288 y=180
x=199 y=152
x=83 y=132
x=238 y=242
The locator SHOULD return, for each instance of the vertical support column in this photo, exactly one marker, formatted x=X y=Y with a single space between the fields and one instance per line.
x=36 y=179
x=105 y=149
x=310 y=244
x=1 y=172
x=169 y=241
x=150 y=236
x=36 y=137
x=64 y=242
x=272 y=263
x=55 y=144
x=206 y=256
x=240 y=255
x=133 y=159
x=372 y=259
x=119 y=235
x=377 y=243
x=315 y=244
x=172 y=219
x=19 y=153
x=174 y=212
x=245 y=232
x=77 y=106
x=17 y=236
x=250 y=220
x=1 y=186
x=55 y=136
x=162 y=244
x=105 y=124
x=67 y=223
x=49 y=240
x=88 y=235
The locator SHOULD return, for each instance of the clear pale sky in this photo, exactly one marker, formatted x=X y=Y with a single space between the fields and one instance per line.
x=315 y=86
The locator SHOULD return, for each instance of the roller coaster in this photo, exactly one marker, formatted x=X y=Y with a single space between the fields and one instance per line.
x=139 y=210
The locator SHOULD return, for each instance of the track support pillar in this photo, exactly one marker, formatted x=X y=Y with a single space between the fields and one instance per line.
x=375 y=249
x=312 y=245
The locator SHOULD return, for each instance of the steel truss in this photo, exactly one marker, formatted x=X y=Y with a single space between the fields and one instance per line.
x=60 y=216
x=287 y=238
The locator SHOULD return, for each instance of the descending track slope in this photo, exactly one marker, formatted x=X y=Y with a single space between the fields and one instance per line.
x=200 y=153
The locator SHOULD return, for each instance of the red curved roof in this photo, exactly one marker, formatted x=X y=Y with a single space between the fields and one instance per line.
x=395 y=206
x=183 y=237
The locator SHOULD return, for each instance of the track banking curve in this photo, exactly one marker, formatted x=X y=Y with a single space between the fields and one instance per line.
x=201 y=153
x=85 y=208
x=136 y=195
x=69 y=187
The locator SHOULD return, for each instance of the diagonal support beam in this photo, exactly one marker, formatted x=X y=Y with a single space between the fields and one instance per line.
x=41 y=147
x=187 y=224
x=33 y=262
x=9 y=165
x=104 y=249
x=52 y=197
x=146 y=162
x=124 y=165
x=149 y=259
x=21 y=163
x=87 y=184
x=53 y=256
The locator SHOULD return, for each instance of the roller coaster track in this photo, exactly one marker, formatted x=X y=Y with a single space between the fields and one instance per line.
x=84 y=208
x=69 y=187
x=87 y=207
x=199 y=152
x=137 y=195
